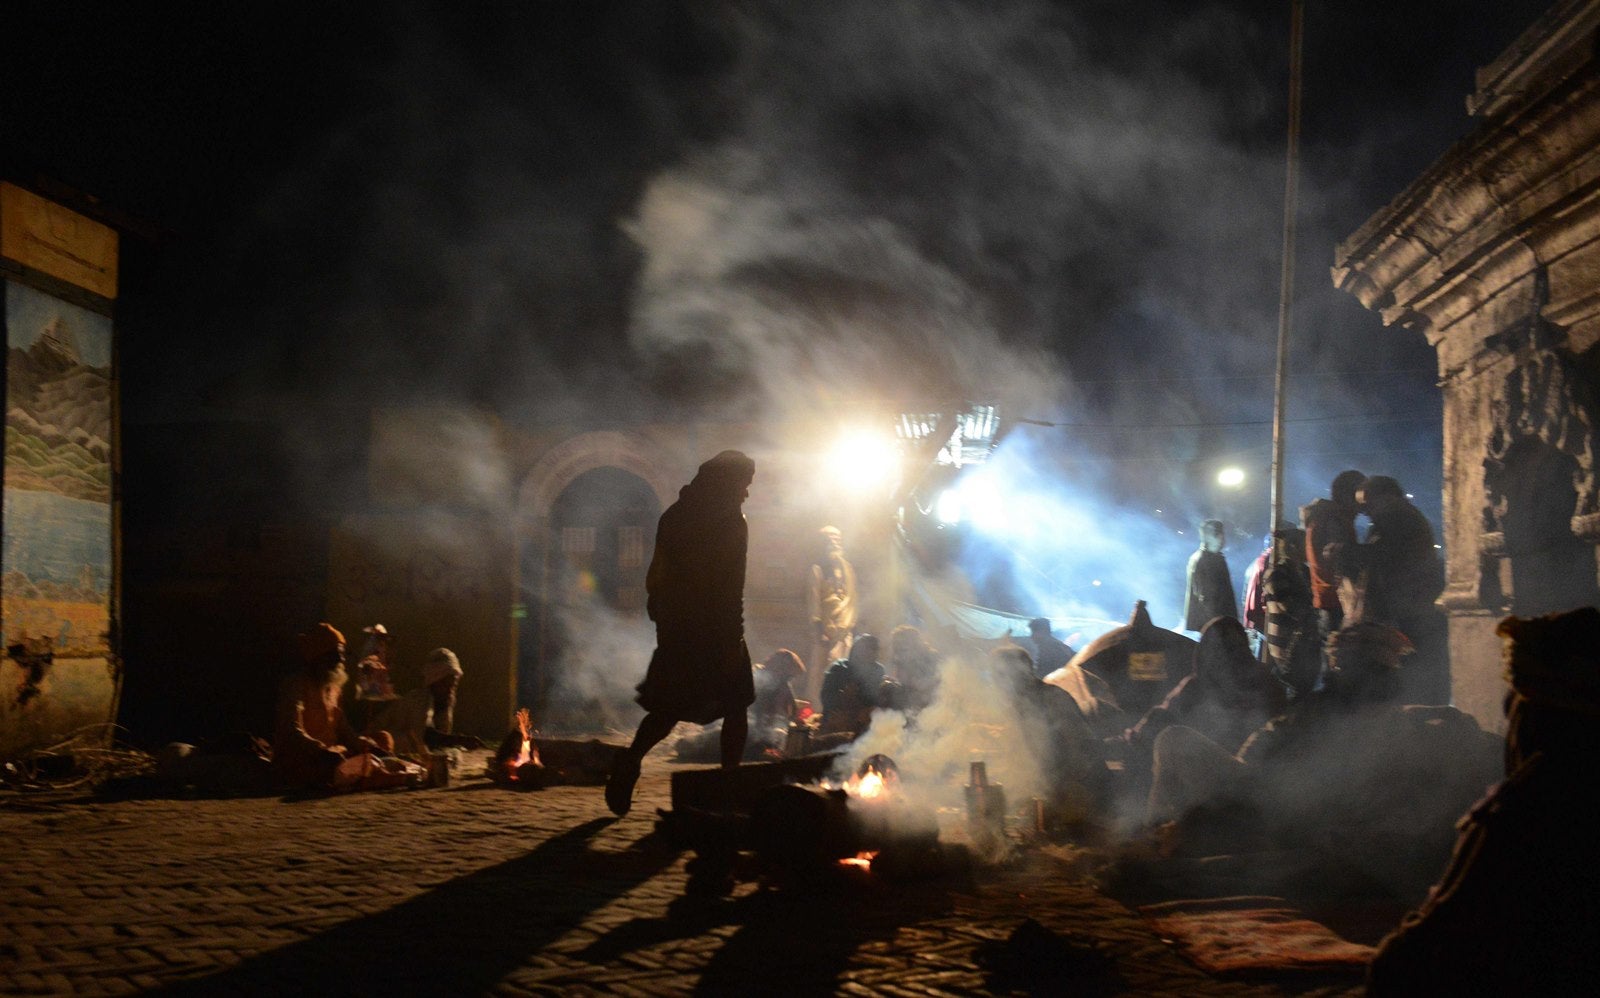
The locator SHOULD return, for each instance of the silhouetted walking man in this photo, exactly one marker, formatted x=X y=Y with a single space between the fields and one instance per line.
x=695 y=594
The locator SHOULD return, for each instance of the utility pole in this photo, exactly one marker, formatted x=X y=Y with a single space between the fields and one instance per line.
x=1291 y=194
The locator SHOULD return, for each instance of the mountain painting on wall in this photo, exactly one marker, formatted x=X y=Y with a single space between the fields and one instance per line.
x=57 y=559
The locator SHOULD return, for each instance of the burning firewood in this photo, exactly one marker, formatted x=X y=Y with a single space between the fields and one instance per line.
x=526 y=761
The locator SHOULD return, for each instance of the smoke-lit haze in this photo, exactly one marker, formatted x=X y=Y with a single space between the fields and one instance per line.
x=595 y=213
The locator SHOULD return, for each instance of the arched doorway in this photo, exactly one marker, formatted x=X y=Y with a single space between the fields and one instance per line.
x=586 y=641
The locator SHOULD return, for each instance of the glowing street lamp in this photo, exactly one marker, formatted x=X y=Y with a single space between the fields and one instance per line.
x=1230 y=478
x=865 y=459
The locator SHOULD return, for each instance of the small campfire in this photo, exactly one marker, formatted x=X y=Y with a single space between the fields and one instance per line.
x=528 y=756
x=801 y=824
x=874 y=784
x=876 y=780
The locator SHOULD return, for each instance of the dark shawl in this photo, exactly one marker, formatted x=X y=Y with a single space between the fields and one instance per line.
x=700 y=670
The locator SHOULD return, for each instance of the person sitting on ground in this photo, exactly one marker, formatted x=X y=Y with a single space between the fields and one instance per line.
x=1049 y=652
x=1070 y=758
x=769 y=715
x=314 y=746
x=851 y=689
x=421 y=721
x=774 y=706
x=1348 y=771
x=1226 y=696
x=914 y=663
x=1515 y=910
x=373 y=677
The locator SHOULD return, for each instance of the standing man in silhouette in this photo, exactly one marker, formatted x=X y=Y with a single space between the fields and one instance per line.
x=695 y=594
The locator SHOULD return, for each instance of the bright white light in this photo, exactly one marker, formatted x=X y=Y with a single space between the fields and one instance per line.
x=981 y=504
x=974 y=501
x=1230 y=478
x=864 y=459
x=1096 y=582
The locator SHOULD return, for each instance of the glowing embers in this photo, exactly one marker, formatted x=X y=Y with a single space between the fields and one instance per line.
x=525 y=765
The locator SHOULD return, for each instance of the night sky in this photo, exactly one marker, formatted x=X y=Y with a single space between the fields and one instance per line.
x=599 y=212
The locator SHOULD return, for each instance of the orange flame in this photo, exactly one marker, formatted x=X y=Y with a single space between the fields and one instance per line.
x=529 y=752
x=861 y=860
x=871 y=785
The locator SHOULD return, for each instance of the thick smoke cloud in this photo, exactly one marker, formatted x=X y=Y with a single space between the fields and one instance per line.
x=920 y=203
x=979 y=190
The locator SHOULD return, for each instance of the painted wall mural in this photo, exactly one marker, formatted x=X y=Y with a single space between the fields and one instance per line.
x=57 y=559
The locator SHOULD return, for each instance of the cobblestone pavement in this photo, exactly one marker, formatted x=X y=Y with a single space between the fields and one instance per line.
x=475 y=889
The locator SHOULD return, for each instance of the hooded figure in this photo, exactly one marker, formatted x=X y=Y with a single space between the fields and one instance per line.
x=1209 y=592
x=1226 y=698
x=853 y=688
x=1516 y=908
x=695 y=594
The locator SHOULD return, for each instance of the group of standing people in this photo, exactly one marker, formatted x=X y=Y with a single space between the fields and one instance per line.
x=1316 y=578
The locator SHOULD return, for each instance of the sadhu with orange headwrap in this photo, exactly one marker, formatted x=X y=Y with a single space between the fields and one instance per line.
x=314 y=744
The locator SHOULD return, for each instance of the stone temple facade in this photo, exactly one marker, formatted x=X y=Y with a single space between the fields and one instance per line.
x=1493 y=254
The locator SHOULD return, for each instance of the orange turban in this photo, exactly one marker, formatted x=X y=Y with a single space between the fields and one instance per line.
x=320 y=640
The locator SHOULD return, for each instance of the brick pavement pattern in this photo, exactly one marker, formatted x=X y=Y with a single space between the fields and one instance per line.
x=474 y=889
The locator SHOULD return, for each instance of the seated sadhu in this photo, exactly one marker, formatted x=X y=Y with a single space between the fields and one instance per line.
x=313 y=744
x=422 y=720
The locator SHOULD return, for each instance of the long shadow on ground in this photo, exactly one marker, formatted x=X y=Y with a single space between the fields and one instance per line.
x=799 y=940
x=462 y=937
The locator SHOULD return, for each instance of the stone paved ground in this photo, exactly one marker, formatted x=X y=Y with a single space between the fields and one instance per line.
x=478 y=890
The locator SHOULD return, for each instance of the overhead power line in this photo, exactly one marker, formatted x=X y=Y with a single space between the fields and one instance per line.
x=1413 y=416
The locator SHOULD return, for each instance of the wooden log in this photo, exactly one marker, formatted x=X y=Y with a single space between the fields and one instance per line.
x=718 y=789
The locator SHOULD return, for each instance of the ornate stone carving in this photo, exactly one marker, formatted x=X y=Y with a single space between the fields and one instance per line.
x=1548 y=398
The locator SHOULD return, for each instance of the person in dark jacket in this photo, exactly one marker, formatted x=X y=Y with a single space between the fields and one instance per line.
x=1400 y=577
x=1071 y=760
x=914 y=664
x=1050 y=652
x=695 y=594
x=853 y=688
x=1209 y=590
